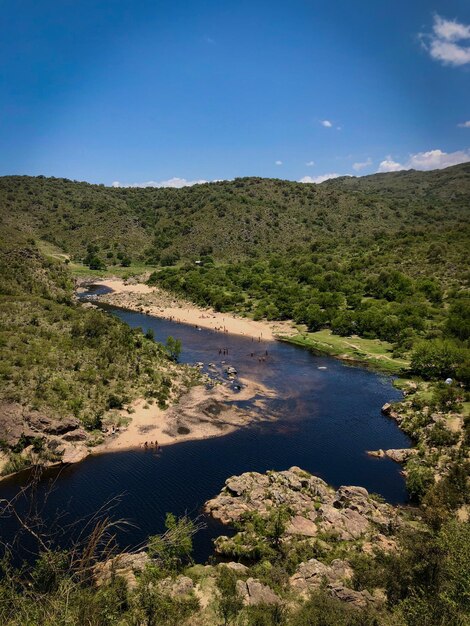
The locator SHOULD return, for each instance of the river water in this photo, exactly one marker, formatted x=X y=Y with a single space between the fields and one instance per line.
x=328 y=415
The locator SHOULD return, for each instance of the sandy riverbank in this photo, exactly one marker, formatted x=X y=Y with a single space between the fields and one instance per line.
x=199 y=414
x=159 y=303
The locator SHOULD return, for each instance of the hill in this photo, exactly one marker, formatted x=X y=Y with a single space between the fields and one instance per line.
x=61 y=361
x=247 y=217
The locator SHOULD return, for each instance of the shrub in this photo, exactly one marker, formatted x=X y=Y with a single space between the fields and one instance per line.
x=437 y=359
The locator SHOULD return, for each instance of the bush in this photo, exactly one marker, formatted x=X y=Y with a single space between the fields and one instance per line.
x=437 y=359
x=229 y=602
x=419 y=478
x=439 y=435
x=447 y=397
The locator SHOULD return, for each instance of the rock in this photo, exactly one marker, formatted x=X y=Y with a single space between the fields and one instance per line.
x=387 y=408
x=382 y=543
x=63 y=426
x=313 y=574
x=376 y=453
x=74 y=454
x=13 y=423
x=350 y=512
x=238 y=568
x=358 y=599
x=181 y=586
x=400 y=455
x=75 y=435
x=126 y=565
x=302 y=526
x=253 y=592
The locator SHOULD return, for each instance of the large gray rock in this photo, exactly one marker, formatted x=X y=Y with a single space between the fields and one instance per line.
x=60 y=427
x=350 y=512
x=253 y=592
x=313 y=574
x=357 y=599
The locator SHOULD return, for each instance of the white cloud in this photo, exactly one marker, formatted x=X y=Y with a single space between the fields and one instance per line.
x=318 y=179
x=277 y=162
x=450 y=30
x=175 y=182
x=464 y=124
x=361 y=165
x=448 y=42
x=326 y=123
x=310 y=163
x=431 y=160
x=437 y=159
x=389 y=165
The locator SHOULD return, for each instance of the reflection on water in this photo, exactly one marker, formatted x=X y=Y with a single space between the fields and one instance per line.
x=326 y=419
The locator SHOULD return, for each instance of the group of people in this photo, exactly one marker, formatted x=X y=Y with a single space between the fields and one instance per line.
x=151 y=444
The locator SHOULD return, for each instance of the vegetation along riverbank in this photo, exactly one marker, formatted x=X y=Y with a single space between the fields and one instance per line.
x=371 y=269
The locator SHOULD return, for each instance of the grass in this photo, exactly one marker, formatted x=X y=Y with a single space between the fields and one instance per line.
x=135 y=269
x=51 y=251
x=372 y=352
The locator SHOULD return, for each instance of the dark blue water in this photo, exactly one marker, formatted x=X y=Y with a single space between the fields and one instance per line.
x=326 y=420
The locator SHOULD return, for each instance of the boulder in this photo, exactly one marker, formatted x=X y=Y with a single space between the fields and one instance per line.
x=387 y=408
x=254 y=592
x=376 y=453
x=75 y=435
x=313 y=574
x=400 y=455
x=180 y=586
x=13 y=424
x=238 y=568
x=74 y=454
x=60 y=427
x=299 y=525
x=357 y=599
x=126 y=565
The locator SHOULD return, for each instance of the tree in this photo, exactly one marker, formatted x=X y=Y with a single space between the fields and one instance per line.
x=436 y=359
x=173 y=347
x=229 y=601
x=173 y=549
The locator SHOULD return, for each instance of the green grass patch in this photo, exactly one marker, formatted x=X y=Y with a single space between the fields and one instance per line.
x=372 y=352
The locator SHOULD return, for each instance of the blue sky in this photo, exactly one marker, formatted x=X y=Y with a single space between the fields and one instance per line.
x=138 y=90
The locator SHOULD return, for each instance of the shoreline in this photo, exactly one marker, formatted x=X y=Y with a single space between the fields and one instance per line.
x=156 y=302
x=200 y=413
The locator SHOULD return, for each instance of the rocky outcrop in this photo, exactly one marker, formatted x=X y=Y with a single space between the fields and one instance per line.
x=349 y=513
x=254 y=592
x=399 y=455
x=62 y=439
x=14 y=423
x=358 y=599
x=314 y=574
x=180 y=586
x=126 y=565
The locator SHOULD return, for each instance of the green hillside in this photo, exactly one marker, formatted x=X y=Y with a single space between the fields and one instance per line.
x=246 y=217
x=62 y=359
x=382 y=256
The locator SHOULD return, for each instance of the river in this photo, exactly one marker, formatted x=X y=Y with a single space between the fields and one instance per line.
x=328 y=415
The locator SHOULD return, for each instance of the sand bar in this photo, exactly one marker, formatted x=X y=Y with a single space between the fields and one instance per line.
x=199 y=414
x=159 y=303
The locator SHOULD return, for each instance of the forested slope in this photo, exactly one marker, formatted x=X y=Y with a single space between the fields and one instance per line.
x=246 y=217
